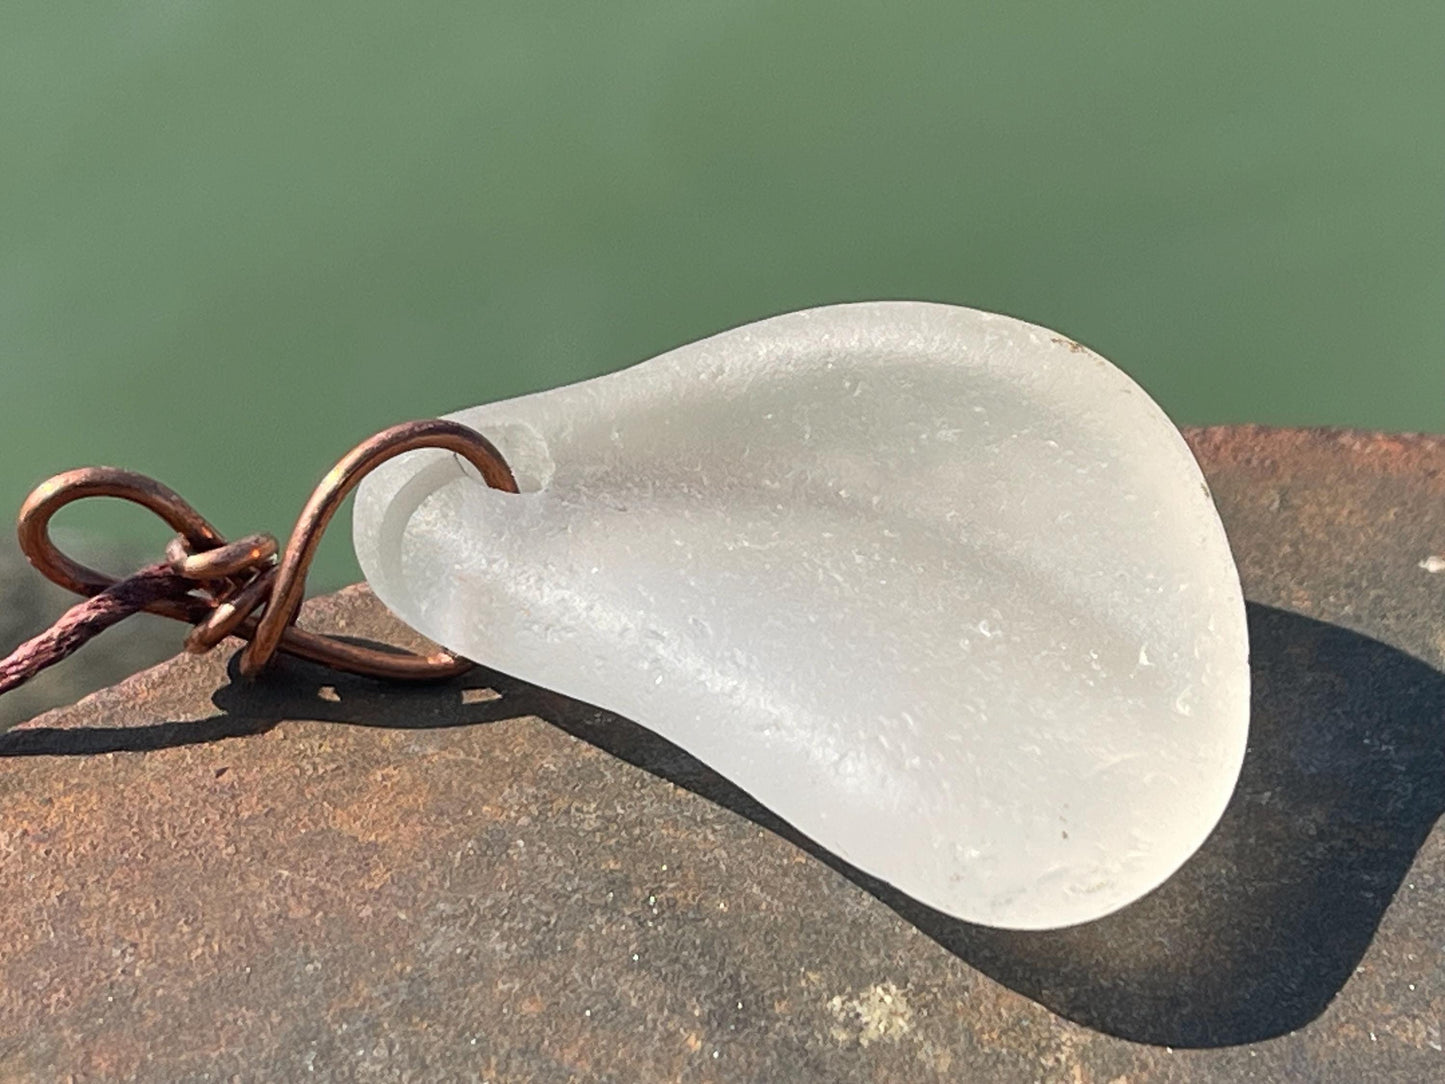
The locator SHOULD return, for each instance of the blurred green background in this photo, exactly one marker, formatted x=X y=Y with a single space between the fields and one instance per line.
x=237 y=238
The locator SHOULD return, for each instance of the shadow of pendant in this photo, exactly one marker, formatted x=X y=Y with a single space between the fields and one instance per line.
x=1251 y=939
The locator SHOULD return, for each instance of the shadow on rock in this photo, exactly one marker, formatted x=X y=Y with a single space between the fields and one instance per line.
x=298 y=691
x=1252 y=938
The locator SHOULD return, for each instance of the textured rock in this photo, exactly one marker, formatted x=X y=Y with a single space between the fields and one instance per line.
x=321 y=878
x=944 y=590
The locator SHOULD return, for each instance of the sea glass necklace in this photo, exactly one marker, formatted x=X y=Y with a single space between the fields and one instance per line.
x=943 y=589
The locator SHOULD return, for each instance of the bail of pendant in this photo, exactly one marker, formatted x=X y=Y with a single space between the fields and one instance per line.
x=252 y=588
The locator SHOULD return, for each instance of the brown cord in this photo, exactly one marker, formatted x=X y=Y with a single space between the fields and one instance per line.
x=229 y=589
x=86 y=620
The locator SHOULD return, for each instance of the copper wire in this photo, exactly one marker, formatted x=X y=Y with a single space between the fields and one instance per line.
x=241 y=588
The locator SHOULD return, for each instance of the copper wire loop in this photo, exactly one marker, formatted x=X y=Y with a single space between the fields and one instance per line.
x=230 y=612
x=241 y=587
x=247 y=554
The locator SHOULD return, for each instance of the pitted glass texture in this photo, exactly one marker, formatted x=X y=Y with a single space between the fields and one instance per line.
x=943 y=589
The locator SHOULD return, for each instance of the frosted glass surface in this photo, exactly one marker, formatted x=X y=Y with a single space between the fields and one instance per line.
x=943 y=589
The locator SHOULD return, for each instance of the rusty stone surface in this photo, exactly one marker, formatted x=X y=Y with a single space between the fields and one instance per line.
x=321 y=878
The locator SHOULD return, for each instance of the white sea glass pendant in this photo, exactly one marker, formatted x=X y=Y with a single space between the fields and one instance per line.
x=943 y=589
